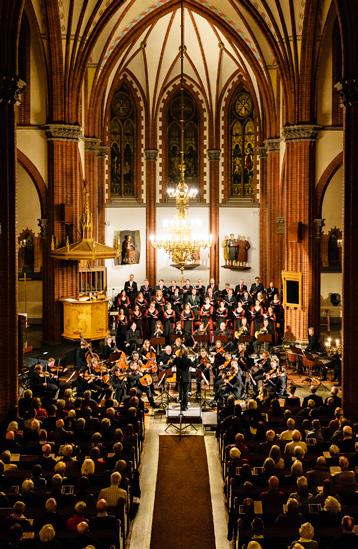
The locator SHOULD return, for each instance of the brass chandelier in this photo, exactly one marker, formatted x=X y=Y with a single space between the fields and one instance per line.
x=182 y=240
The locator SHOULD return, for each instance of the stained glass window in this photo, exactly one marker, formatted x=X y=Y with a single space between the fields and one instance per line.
x=122 y=143
x=243 y=141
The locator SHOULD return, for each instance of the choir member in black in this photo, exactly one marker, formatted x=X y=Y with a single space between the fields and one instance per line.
x=246 y=301
x=141 y=302
x=172 y=288
x=221 y=312
x=119 y=384
x=183 y=364
x=158 y=329
x=238 y=314
x=256 y=287
x=194 y=301
x=314 y=344
x=231 y=382
x=200 y=290
x=187 y=320
x=108 y=348
x=177 y=301
x=146 y=290
x=202 y=365
x=186 y=289
x=41 y=383
x=131 y=288
x=160 y=286
x=256 y=317
x=169 y=317
x=213 y=287
x=151 y=316
x=230 y=303
x=159 y=301
x=121 y=333
x=240 y=289
x=178 y=329
x=263 y=367
x=271 y=291
x=207 y=313
x=123 y=302
x=137 y=317
x=279 y=314
x=134 y=337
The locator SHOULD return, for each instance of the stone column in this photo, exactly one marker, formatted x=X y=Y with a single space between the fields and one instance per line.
x=102 y=152
x=151 y=156
x=349 y=93
x=263 y=213
x=274 y=239
x=65 y=189
x=91 y=177
x=10 y=87
x=214 y=172
x=299 y=200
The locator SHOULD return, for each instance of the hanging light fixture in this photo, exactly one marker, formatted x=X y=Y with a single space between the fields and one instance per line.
x=182 y=240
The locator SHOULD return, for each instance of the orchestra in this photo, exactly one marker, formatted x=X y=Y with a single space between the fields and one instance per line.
x=226 y=336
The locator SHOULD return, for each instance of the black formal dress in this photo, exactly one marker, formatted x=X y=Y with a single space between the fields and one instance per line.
x=183 y=364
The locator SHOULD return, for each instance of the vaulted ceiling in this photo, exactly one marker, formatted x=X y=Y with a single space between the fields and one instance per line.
x=261 y=39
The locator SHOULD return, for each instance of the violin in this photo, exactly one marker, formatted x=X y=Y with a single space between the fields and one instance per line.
x=119 y=359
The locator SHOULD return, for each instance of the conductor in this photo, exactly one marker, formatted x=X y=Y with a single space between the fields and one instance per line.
x=183 y=363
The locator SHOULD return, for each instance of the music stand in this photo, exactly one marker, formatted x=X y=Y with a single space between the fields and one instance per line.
x=181 y=427
x=246 y=339
x=157 y=342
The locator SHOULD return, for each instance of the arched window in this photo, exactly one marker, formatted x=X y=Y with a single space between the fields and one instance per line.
x=243 y=146
x=191 y=133
x=123 y=145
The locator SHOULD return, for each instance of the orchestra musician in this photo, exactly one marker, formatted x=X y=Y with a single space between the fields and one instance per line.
x=202 y=365
x=134 y=377
x=108 y=348
x=119 y=384
x=263 y=366
x=314 y=344
x=41 y=383
x=231 y=382
x=276 y=379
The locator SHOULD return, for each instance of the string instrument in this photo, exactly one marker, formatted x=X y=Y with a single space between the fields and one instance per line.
x=225 y=364
x=146 y=380
x=229 y=376
x=119 y=359
x=151 y=364
x=203 y=361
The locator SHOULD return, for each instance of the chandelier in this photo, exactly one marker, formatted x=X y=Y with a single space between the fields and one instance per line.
x=182 y=240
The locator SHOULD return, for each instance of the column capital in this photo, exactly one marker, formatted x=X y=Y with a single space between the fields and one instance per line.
x=91 y=144
x=272 y=144
x=102 y=151
x=300 y=132
x=348 y=91
x=10 y=89
x=214 y=154
x=262 y=152
x=318 y=224
x=62 y=132
x=151 y=154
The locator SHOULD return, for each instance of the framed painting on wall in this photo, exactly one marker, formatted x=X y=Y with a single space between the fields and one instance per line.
x=129 y=247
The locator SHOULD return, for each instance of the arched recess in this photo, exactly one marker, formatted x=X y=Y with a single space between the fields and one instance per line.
x=324 y=181
x=164 y=103
x=37 y=180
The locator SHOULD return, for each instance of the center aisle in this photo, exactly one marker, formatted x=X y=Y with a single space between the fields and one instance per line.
x=141 y=531
x=182 y=510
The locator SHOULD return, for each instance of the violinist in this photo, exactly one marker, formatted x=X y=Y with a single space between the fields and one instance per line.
x=245 y=362
x=202 y=365
x=119 y=384
x=135 y=374
x=263 y=366
x=231 y=382
x=221 y=365
x=276 y=379
x=108 y=348
x=133 y=337
x=40 y=384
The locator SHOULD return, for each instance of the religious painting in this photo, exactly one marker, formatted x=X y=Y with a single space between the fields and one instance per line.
x=243 y=141
x=122 y=145
x=128 y=243
x=191 y=132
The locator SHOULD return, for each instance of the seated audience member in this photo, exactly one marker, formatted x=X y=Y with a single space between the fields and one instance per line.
x=102 y=518
x=291 y=517
x=302 y=494
x=347 y=444
x=287 y=434
x=47 y=535
x=273 y=498
x=347 y=539
x=78 y=516
x=113 y=493
x=292 y=401
x=296 y=441
x=331 y=514
x=306 y=532
x=318 y=474
x=345 y=481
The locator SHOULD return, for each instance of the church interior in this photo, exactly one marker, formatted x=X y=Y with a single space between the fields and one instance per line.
x=201 y=154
